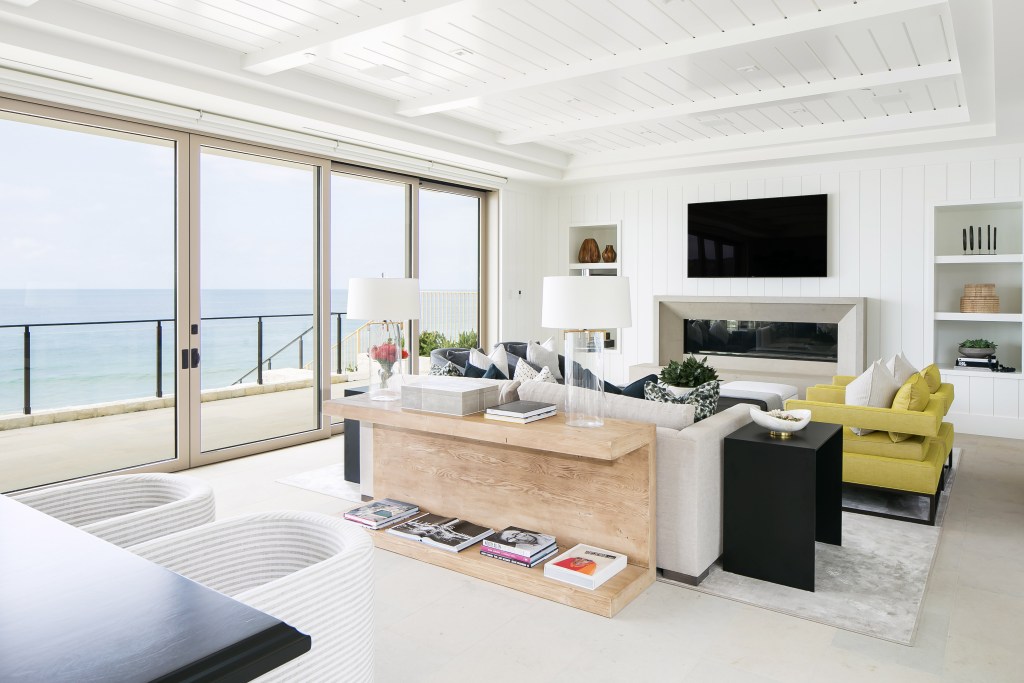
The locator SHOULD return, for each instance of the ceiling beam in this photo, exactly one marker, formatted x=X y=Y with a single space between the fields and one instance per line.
x=301 y=50
x=731 y=103
x=661 y=53
x=828 y=131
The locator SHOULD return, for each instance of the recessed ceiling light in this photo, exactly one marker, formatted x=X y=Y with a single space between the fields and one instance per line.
x=383 y=72
x=460 y=52
x=748 y=68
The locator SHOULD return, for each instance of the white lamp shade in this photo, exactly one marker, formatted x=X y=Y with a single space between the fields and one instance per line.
x=383 y=298
x=572 y=302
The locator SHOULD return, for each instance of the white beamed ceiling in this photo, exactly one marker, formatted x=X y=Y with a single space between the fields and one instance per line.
x=569 y=88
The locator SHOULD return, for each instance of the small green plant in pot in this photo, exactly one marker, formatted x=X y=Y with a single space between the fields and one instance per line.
x=688 y=374
x=977 y=348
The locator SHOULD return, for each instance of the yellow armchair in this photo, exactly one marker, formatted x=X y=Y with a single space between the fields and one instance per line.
x=915 y=465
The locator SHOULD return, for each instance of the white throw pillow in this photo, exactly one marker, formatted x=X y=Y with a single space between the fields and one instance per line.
x=544 y=354
x=498 y=357
x=876 y=388
x=900 y=368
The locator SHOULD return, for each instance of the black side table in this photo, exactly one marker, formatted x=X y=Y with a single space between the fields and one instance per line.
x=352 y=441
x=780 y=496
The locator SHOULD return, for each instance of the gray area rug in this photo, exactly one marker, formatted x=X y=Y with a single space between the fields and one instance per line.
x=328 y=480
x=873 y=584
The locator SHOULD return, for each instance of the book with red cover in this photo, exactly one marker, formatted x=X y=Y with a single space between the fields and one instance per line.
x=585 y=566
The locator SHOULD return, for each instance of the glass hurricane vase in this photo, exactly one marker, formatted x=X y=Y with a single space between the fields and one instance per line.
x=387 y=351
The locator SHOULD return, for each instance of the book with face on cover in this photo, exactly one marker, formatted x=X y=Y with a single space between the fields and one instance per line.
x=585 y=566
x=380 y=513
x=519 y=541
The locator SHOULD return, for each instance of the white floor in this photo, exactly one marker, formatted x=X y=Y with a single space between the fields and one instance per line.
x=435 y=625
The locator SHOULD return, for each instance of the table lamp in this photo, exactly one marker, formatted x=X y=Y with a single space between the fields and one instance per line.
x=585 y=307
x=387 y=302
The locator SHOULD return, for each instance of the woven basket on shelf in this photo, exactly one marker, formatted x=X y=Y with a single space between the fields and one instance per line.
x=979 y=299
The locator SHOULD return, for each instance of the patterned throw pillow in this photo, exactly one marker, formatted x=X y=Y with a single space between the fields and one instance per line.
x=704 y=400
x=653 y=391
x=524 y=373
x=449 y=369
x=545 y=375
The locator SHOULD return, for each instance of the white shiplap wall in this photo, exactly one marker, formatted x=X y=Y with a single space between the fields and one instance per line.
x=877 y=239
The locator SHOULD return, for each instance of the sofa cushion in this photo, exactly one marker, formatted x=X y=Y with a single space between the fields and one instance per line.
x=449 y=369
x=498 y=357
x=636 y=389
x=474 y=371
x=668 y=415
x=610 y=388
x=458 y=356
x=876 y=388
x=544 y=355
x=879 y=444
x=933 y=377
x=913 y=395
x=493 y=372
x=704 y=400
x=900 y=368
x=656 y=391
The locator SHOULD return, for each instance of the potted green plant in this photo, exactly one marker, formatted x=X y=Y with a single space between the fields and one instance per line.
x=977 y=348
x=683 y=377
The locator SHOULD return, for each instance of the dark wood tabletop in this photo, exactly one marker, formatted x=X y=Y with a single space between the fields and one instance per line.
x=78 y=609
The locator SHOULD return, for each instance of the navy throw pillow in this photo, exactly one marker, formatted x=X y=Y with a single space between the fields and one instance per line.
x=474 y=371
x=494 y=373
x=610 y=388
x=636 y=389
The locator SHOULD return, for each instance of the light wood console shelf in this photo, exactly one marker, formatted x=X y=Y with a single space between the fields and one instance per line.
x=592 y=486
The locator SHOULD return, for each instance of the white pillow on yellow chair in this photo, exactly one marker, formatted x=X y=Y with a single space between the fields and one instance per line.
x=876 y=388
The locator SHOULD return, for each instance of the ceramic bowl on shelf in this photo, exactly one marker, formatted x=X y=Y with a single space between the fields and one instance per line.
x=778 y=426
x=973 y=352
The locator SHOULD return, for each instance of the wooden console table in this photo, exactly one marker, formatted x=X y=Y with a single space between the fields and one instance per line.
x=593 y=486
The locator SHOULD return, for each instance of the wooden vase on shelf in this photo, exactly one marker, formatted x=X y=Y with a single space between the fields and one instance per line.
x=608 y=255
x=589 y=251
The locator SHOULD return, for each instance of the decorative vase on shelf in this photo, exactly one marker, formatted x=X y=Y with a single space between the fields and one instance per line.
x=608 y=255
x=589 y=251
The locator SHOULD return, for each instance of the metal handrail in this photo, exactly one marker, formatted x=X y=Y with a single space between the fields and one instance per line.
x=27 y=345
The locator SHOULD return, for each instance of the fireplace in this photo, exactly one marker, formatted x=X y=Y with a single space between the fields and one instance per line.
x=783 y=340
x=793 y=340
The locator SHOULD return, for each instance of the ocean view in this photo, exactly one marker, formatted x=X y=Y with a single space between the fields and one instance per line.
x=84 y=364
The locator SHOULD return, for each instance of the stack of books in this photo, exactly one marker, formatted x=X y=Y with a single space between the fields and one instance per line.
x=381 y=513
x=521 y=412
x=519 y=546
x=585 y=566
x=447 y=533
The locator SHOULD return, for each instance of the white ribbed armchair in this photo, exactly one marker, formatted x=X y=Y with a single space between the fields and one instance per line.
x=129 y=508
x=309 y=570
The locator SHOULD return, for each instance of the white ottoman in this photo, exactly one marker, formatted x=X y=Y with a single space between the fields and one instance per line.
x=773 y=395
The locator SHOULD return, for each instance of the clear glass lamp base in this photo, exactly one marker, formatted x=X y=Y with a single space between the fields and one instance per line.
x=584 y=378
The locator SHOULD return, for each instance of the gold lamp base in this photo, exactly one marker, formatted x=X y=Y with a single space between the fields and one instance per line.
x=780 y=435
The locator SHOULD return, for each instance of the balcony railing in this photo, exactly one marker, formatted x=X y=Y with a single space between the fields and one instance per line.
x=448 y=312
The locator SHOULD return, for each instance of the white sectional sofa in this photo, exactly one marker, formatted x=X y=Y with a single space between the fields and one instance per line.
x=689 y=475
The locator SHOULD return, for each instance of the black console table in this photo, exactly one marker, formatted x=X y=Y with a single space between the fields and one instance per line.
x=75 y=608
x=352 y=441
x=780 y=496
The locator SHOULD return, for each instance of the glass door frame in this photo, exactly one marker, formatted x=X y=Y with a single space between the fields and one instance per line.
x=182 y=388
x=321 y=309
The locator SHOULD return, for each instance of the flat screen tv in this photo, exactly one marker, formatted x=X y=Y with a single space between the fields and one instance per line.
x=777 y=237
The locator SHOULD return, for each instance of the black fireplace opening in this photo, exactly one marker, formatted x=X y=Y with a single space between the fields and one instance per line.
x=762 y=339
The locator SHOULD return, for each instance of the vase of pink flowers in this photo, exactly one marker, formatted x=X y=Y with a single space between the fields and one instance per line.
x=386 y=356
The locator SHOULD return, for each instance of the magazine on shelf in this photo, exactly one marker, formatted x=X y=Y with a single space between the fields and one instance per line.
x=519 y=559
x=517 y=541
x=415 y=528
x=585 y=566
x=520 y=420
x=456 y=535
x=521 y=408
x=381 y=513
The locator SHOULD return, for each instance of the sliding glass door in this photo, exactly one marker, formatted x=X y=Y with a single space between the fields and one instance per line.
x=259 y=350
x=88 y=314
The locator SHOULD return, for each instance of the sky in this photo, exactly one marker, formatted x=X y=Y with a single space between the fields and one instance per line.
x=96 y=211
